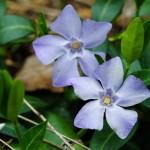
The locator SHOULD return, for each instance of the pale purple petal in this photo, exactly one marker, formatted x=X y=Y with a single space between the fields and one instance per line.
x=49 y=47
x=68 y=24
x=64 y=69
x=94 y=33
x=90 y=116
x=121 y=120
x=110 y=74
x=88 y=63
x=86 y=88
x=101 y=54
x=133 y=91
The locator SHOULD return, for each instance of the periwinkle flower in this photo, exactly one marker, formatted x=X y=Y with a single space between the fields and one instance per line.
x=109 y=94
x=72 y=46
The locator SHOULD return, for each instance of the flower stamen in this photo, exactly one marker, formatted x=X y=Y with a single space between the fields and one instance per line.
x=106 y=100
x=75 y=45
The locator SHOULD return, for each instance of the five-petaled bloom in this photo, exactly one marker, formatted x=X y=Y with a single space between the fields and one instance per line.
x=72 y=46
x=109 y=96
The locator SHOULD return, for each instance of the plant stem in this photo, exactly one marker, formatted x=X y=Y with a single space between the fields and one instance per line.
x=81 y=133
x=6 y=144
x=16 y=125
x=49 y=125
x=72 y=140
x=126 y=70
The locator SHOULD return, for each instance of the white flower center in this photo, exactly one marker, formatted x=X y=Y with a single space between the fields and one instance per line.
x=106 y=100
x=75 y=45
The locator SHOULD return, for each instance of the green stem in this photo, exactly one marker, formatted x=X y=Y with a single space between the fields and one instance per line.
x=16 y=125
x=126 y=70
x=81 y=133
x=116 y=37
x=137 y=12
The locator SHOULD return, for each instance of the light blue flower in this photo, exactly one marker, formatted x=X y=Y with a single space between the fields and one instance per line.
x=72 y=46
x=109 y=94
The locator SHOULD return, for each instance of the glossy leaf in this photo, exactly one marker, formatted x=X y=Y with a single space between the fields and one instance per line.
x=9 y=130
x=132 y=41
x=13 y=27
x=15 y=100
x=145 y=61
x=41 y=24
x=35 y=102
x=107 y=139
x=102 y=47
x=33 y=138
x=5 y=87
x=11 y=96
x=146 y=103
x=2 y=7
x=139 y=3
x=99 y=58
x=135 y=66
x=144 y=75
x=106 y=10
x=145 y=8
x=63 y=127
x=146 y=25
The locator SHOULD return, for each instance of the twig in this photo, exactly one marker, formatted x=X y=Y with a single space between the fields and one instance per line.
x=6 y=144
x=49 y=125
x=35 y=123
x=28 y=120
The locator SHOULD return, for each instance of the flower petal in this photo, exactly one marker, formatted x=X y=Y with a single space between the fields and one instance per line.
x=110 y=73
x=94 y=33
x=48 y=48
x=121 y=120
x=68 y=24
x=86 y=88
x=88 y=63
x=90 y=116
x=132 y=92
x=64 y=69
x=101 y=54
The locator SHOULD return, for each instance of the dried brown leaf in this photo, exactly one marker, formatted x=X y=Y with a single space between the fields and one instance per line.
x=36 y=76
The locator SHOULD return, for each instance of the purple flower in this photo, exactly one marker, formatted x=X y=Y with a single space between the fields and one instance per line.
x=72 y=46
x=108 y=96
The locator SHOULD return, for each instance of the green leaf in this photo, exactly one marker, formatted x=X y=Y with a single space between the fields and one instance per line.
x=99 y=58
x=5 y=87
x=144 y=75
x=132 y=41
x=34 y=101
x=33 y=138
x=135 y=66
x=2 y=7
x=11 y=96
x=145 y=8
x=146 y=25
x=41 y=24
x=13 y=27
x=63 y=127
x=102 y=47
x=106 y=10
x=139 y=3
x=15 y=100
x=108 y=140
x=144 y=60
x=146 y=103
x=9 y=130
x=113 y=51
